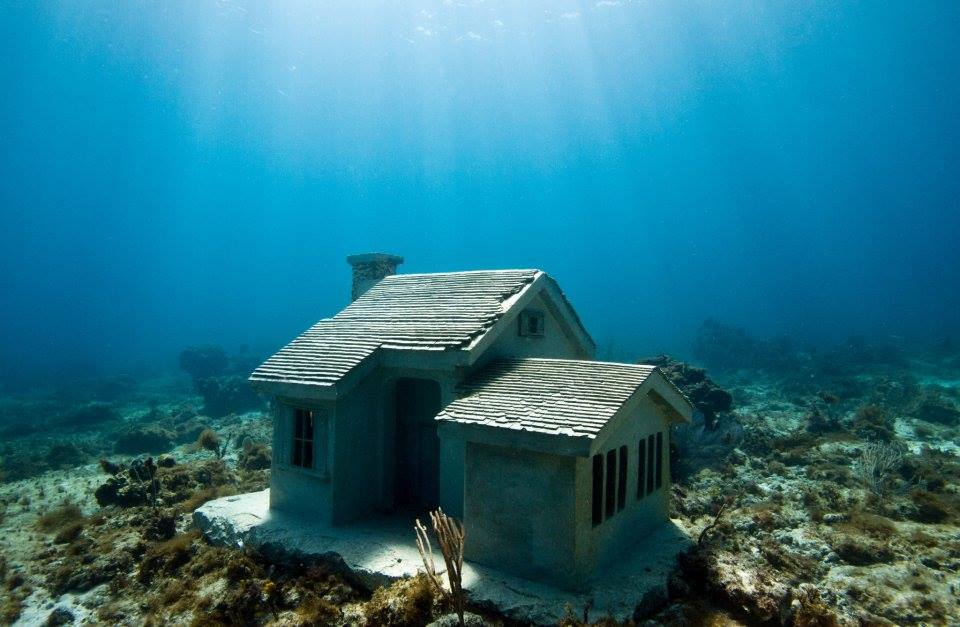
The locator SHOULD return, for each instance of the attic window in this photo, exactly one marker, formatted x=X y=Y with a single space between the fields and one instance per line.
x=531 y=323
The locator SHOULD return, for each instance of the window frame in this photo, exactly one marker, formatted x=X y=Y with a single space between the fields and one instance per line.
x=319 y=449
x=523 y=323
x=304 y=444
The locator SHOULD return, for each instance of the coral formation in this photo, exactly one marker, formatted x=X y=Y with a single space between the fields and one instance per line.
x=713 y=433
x=143 y=439
x=65 y=455
x=936 y=409
x=873 y=423
x=201 y=362
x=91 y=415
x=223 y=391
x=226 y=395
x=408 y=602
x=725 y=348
x=847 y=506
x=708 y=397
x=208 y=440
x=254 y=455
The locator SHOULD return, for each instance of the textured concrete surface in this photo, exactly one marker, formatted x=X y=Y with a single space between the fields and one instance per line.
x=376 y=552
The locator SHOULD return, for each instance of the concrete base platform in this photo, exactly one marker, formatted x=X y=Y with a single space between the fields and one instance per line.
x=376 y=552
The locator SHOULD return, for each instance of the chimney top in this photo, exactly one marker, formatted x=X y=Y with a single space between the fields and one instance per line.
x=354 y=260
x=369 y=268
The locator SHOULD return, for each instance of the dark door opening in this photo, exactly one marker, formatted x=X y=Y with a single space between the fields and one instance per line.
x=416 y=477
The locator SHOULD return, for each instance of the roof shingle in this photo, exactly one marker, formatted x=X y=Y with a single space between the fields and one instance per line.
x=404 y=311
x=552 y=396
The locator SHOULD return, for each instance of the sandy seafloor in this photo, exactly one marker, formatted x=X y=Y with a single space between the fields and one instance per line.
x=814 y=532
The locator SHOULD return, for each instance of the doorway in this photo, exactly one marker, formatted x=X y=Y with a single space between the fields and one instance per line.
x=417 y=455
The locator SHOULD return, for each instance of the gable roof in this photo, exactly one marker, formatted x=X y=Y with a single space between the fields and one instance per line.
x=560 y=397
x=425 y=312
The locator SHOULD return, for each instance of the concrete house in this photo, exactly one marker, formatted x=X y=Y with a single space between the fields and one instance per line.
x=476 y=392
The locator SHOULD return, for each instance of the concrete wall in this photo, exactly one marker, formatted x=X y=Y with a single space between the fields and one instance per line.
x=554 y=344
x=520 y=514
x=357 y=448
x=300 y=490
x=357 y=479
x=598 y=545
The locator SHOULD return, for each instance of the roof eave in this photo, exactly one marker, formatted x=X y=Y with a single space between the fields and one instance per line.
x=678 y=408
x=288 y=389
x=551 y=443
x=318 y=391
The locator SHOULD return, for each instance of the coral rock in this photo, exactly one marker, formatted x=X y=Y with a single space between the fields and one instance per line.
x=144 y=439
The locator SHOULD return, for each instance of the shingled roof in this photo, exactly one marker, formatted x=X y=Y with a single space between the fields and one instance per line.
x=551 y=396
x=427 y=312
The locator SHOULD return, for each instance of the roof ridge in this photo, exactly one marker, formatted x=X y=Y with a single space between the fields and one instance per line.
x=460 y=272
x=428 y=312
x=584 y=361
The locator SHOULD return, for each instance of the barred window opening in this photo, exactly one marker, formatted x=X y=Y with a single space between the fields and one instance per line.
x=622 y=479
x=641 y=469
x=651 y=459
x=659 y=471
x=611 y=494
x=597 y=489
x=303 y=430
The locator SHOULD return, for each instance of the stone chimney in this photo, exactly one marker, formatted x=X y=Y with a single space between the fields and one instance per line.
x=369 y=268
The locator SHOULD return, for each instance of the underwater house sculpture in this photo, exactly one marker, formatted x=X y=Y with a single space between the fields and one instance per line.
x=476 y=392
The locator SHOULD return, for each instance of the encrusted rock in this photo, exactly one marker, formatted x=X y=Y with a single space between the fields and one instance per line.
x=60 y=616
x=708 y=397
x=451 y=620
x=90 y=415
x=937 y=410
x=205 y=361
x=227 y=394
x=143 y=439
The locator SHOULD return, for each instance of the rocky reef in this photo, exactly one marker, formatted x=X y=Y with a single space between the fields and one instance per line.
x=839 y=505
x=220 y=380
x=818 y=487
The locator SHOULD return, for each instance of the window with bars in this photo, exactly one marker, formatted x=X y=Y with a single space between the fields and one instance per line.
x=611 y=493
x=651 y=462
x=609 y=489
x=597 y=489
x=304 y=426
x=641 y=469
x=622 y=479
x=659 y=466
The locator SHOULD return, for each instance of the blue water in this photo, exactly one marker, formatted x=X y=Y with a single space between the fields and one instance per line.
x=185 y=172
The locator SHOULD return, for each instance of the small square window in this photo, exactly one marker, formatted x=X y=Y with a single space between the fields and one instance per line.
x=531 y=323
